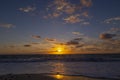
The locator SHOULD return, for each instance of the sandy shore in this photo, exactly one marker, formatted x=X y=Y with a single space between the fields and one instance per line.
x=46 y=77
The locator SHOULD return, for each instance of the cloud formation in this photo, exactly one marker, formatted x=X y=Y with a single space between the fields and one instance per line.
x=68 y=11
x=6 y=25
x=73 y=19
x=50 y=40
x=110 y=40
x=107 y=36
x=86 y=3
x=27 y=45
x=77 y=33
x=115 y=30
x=112 y=34
x=27 y=9
x=110 y=20
x=36 y=36
x=72 y=42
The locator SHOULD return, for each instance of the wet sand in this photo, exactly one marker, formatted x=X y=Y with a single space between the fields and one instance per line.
x=46 y=77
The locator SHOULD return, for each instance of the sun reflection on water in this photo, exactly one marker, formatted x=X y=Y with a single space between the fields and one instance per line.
x=59 y=68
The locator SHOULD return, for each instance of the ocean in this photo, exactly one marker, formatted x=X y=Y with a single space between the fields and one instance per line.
x=100 y=65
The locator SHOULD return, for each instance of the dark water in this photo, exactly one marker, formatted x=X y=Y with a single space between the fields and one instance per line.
x=64 y=58
x=88 y=65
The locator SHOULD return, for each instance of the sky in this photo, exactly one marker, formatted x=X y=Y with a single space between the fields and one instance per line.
x=65 y=26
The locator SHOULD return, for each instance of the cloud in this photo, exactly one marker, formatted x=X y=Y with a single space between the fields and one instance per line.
x=115 y=30
x=50 y=40
x=68 y=11
x=113 y=45
x=85 y=14
x=110 y=20
x=36 y=36
x=27 y=45
x=6 y=25
x=76 y=33
x=64 y=6
x=79 y=46
x=77 y=39
x=86 y=3
x=27 y=9
x=34 y=43
x=72 y=42
x=107 y=36
x=73 y=19
x=85 y=23
x=56 y=14
x=93 y=47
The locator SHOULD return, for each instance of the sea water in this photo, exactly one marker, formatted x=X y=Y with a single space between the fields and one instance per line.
x=107 y=66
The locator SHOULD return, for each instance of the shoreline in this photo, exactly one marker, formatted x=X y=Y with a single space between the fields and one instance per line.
x=50 y=77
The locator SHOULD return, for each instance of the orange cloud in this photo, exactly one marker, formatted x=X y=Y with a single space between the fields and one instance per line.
x=86 y=3
x=73 y=19
x=68 y=11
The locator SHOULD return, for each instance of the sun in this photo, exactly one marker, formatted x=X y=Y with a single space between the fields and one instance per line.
x=59 y=50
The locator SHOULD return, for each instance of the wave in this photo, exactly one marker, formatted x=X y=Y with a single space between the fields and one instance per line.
x=66 y=58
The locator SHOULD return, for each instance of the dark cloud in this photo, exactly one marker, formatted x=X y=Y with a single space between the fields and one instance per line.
x=36 y=36
x=50 y=40
x=78 y=39
x=27 y=45
x=72 y=42
x=78 y=46
x=107 y=36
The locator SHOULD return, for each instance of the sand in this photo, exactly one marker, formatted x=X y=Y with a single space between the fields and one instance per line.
x=46 y=77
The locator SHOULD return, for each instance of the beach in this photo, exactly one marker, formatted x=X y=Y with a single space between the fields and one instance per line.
x=48 y=77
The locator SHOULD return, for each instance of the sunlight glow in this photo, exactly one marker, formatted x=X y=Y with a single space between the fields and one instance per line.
x=58 y=76
x=59 y=50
